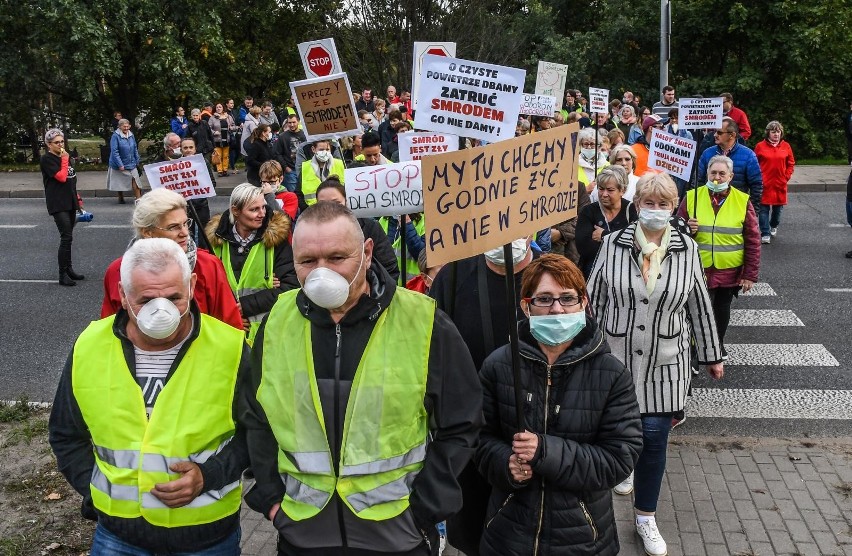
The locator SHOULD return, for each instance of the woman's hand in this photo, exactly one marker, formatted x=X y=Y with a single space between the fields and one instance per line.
x=597 y=234
x=525 y=445
x=520 y=472
x=716 y=370
x=746 y=285
x=693 y=225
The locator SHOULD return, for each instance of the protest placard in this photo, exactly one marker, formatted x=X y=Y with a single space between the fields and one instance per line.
x=672 y=154
x=319 y=58
x=538 y=105
x=326 y=106
x=550 y=80
x=468 y=98
x=700 y=113
x=421 y=49
x=385 y=190
x=478 y=199
x=188 y=176
x=414 y=146
x=598 y=100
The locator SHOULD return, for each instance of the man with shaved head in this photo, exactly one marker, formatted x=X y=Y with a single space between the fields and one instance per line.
x=363 y=404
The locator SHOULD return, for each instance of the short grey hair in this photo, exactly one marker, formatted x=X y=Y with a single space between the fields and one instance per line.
x=153 y=255
x=151 y=208
x=629 y=108
x=656 y=185
x=613 y=154
x=614 y=173
x=195 y=112
x=588 y=134
x=123 y=121
x=169 y=135
x=52 y=134
x=774 y=125
x=242 y=196
x=720 y=159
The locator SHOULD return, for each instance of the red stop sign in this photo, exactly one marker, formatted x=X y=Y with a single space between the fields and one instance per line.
x=437 y=51
x=319 y=60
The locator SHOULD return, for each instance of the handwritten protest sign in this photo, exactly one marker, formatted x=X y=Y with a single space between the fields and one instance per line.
x=538 y=105
x=188 y=176
x=385 y=190
x=414 y=146
x=700 y=113
x=550 y=79
x=598 y=100
x=672 y=154
x=467 y=98
x=421 y=49
x=326 y=106
x=478 y=199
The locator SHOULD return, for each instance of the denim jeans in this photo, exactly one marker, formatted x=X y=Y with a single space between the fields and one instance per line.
x=291 y=180
x=769 y=217
x=104 y=543
x=648 y=475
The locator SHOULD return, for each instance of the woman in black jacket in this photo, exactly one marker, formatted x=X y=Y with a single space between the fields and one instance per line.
x=582 y=434
x=258 y=151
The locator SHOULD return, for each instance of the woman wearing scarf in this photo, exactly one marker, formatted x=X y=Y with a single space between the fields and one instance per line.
x=123 y=159
x=627 y=121
x=647 y=292
x=162 y=213
x=591 y=160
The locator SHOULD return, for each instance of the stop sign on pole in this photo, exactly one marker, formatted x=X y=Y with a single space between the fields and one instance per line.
x=421 y=49
x=319 y=58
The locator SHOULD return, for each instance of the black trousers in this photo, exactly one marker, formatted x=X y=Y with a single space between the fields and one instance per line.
x=721 y=299
x=65 y=222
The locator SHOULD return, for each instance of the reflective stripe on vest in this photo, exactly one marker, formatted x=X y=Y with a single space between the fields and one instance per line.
x=720 y=245
x=191 y=421
x=257 y=275
x=386 y=426
x=311 y=181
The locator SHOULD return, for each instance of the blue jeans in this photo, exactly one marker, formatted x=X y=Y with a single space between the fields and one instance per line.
x=648 y=475
x=104 y=543
x=769 y=217
x=291 y=180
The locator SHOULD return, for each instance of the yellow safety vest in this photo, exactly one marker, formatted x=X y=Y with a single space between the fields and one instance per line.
x=257 y=275
x=386 y=426
x=192 y=420
x=411 y=268
x=311 y=182
x=720 y=244
x=583 y=176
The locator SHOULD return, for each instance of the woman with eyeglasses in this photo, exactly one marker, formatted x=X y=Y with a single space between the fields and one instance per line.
x=647 y=291
x=60 y=194
x=581 y=431
x=162 y=213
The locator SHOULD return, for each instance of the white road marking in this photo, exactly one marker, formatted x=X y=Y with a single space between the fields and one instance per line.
x=17 y=226
x=776 y=355
x=764 y=317
x=839 y=290
x=770 y=404
x=13 y=281
x=760 y=289
x=107 y=226
x=836 y=225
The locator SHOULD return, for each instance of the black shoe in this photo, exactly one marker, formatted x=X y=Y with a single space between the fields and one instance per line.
x=849 y=254
x=65 y=280
x=724 y=354
x=73 y=275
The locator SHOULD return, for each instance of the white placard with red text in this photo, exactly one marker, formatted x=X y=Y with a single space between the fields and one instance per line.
x=598 y=100
x=414 y=146
x=188 y=176
x=671 y=154
x=385 y=190
x=700 y=113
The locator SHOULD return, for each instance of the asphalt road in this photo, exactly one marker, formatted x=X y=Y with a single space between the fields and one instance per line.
x=803 y=391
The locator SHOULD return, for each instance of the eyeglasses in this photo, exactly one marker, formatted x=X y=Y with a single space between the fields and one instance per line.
x=174 y=228
x=548 y=300
x=720 y=132
x=58 y=142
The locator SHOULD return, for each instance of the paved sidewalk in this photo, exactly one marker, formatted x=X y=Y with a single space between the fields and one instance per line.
x=93 y=184
x=725 y=496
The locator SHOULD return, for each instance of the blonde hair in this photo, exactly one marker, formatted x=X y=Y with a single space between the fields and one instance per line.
x=656 y=185
x=152 y=207
x=241 y=196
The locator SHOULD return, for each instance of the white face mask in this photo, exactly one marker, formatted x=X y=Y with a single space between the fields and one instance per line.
x=519 y=253
x=588 y=153
x=327 y=288
x=323 y=156
x=674 y=128
x=654 y=219
x=717 y=187
x=159 y=318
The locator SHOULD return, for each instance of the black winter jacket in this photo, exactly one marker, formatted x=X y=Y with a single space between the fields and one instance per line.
x=590 y=437
x=257 y=152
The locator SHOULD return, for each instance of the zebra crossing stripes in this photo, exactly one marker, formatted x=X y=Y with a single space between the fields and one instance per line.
x=777 y=355
x=770 y=404
x=764 y=317
x=760 y=289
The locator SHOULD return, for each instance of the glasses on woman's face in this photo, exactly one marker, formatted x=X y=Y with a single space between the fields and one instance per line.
x=58 y=142
x=176 y=228
x=566 y=300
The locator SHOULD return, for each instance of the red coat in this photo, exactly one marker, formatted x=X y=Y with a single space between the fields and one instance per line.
x=212 y=292
x=742 y=121
x=776 y=165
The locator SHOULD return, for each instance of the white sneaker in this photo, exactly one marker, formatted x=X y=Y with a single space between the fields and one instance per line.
x=651 y=539
x=773 y=231
x=625 y=487
x=766 y=239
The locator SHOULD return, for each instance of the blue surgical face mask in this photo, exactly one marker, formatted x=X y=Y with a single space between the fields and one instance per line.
x=552 y=330
x=717 y=187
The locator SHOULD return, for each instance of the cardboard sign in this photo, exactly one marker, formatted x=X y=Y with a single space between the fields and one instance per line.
x=538 y=105
x=598 y=100
x=700 y=113
x=414 y=146
x=447 y=49
x=327 y=108
x=671 y=154
x=478 y=199
x=319 y=58
x=188 y=176
x=550 y=80
x=467 y=98
x=385 y=190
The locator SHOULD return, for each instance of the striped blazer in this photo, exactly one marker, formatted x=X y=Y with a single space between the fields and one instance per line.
x=651 y=334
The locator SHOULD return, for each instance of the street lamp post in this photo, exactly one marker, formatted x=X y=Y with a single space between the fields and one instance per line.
x=665 y=36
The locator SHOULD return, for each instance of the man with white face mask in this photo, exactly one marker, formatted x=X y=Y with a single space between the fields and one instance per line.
x=316 y=170
x=361 y=421
x=159 y=468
